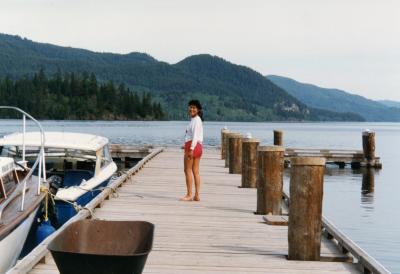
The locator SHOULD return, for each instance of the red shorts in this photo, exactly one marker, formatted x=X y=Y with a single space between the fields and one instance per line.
x=197 y=151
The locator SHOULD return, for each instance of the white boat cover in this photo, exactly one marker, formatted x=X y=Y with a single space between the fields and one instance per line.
x=68 y=140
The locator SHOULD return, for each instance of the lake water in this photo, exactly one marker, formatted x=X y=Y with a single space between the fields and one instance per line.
x=370 y=218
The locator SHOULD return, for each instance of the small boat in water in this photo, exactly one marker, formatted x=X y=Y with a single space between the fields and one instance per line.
x=20 y=200
x=78 y=166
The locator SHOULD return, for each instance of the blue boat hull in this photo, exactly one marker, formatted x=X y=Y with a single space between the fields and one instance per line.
x=66 y=211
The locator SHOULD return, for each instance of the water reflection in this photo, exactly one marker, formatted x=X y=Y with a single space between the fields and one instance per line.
x=362 y=176
x=367 y=191
x=368 y=181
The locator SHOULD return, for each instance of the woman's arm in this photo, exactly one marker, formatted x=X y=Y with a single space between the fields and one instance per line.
x=196 y=129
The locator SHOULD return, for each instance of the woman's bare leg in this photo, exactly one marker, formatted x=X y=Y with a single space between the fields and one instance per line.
x=196 y=174
x=187 y=165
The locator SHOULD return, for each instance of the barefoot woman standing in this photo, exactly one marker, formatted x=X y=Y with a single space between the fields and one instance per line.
x=193 y=150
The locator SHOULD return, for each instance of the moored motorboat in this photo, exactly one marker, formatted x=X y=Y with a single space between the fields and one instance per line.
x=78 y=166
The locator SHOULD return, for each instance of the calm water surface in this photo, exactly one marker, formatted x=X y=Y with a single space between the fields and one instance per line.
x=368 y=215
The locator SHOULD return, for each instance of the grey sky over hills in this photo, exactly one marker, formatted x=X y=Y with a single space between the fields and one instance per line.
x=352 y=45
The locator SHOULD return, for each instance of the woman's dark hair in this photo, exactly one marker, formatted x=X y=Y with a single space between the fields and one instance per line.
x=197 y=104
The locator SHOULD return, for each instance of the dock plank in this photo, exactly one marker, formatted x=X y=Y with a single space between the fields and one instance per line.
x=220 y=234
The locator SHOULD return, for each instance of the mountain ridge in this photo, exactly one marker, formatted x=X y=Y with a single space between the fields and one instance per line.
x=390 y=103
x=228 y=91
x=336 y=100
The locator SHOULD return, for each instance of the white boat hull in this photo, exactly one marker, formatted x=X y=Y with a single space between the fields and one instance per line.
x=11 y=246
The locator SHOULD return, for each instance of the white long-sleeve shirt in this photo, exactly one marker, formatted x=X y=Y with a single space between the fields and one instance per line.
x=194 y=132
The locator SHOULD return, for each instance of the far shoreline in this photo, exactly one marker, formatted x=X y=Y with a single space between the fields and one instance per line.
x=213 y=121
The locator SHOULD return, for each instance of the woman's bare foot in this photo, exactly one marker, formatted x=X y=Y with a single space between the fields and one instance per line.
x=187 y=198
x=196 y=198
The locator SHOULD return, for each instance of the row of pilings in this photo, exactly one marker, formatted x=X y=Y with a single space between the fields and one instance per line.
x=262 y=167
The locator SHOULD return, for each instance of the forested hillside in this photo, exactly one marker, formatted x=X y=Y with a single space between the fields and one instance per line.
x=76 y=96
x=337 y=100
x=390 y=103
x=227 y=91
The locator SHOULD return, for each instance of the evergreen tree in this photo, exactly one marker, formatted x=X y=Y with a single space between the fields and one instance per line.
x=76 y=96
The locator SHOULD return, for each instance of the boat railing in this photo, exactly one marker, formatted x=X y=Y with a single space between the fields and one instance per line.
x=39 y=163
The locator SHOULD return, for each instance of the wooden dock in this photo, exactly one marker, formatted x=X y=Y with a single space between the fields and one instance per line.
x=126 y=156
x=341 y=157
x=220 y=234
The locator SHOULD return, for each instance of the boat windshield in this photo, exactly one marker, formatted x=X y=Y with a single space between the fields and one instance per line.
x=7 y=183
x=57 y=159
x=16 y=152
x=106 y=156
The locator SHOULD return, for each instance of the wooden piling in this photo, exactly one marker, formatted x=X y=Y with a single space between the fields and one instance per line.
x=229 y=135
x=368 y=141
x=235 y=154
x=270 y=162
x=224 y=132
x=249 y=162
x=305 y=209
x=278 y=138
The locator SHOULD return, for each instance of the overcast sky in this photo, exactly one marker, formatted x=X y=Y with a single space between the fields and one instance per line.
x=348 y=44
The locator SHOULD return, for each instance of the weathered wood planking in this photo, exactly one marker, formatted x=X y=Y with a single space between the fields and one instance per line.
x=39 y=253
x=220 y=234
x=129 y=151
x=344 y=156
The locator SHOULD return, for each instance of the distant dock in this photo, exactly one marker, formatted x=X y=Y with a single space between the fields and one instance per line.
x=340 y=157
x=127 y=156
x=220 y=234
x=355 y=158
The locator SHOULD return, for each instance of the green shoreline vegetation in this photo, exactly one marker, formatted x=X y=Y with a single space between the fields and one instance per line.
x=77 y=96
